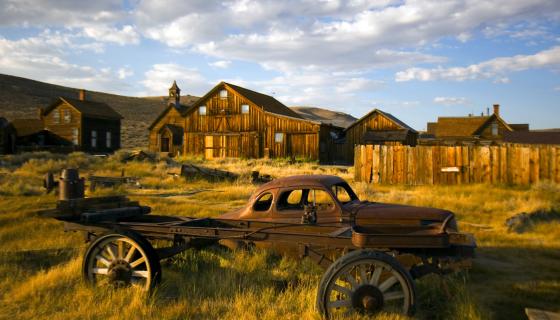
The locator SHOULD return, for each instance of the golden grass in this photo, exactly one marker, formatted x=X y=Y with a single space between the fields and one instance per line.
x=40 y=264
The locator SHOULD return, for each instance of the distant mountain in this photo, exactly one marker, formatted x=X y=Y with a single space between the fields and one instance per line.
x=336 y=118
x=21 y=98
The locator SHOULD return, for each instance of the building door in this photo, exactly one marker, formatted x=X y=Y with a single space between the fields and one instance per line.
x=164 y=144
x=209 y=147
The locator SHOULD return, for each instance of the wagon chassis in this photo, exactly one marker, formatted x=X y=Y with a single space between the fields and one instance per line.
x=373 y=267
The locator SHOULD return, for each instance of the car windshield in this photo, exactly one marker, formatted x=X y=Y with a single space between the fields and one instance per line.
x=343 y=193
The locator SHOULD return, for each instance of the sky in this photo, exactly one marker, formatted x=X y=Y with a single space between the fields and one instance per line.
x=415 y=59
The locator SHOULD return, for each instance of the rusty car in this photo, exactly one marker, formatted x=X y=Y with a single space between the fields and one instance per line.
x=371 y=252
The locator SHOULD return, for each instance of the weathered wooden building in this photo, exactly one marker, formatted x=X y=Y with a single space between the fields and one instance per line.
x=375 y=128
x=88 y=125
x=232 y=121
x=483 y=129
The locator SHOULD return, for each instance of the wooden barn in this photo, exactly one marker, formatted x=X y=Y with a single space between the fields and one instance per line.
x=377 y=128
x=231 y=121
x=88 y=125
x=483 y=129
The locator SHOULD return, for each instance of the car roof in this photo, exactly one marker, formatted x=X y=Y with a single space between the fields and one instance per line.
x=301 y=180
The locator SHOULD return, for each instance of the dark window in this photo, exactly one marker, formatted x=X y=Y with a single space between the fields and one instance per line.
x=343 y=193
x=263 y=203
x=292 y=199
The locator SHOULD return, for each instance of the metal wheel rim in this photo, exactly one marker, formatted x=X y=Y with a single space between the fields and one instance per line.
x=367 y=272
x=112 y=250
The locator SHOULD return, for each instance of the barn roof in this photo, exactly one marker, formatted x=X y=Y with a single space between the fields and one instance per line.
x=186 y=103
x=458 y=126
x=88 y=108
x=268 y=103
x=533 y=137
x=27 y=127
x=389 y=116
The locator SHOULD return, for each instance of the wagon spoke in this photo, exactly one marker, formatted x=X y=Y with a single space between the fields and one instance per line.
x=352 y=281
x=340 y=303
x=130 y=253
x=342 y=290
x=100 y=270
x=375 y=276
x=101 y=259
x=363 y=274
x=111 y=252
x=120 y=249
x=137 y=262
x=393 y=295
x=388 y=283
x=140 y=274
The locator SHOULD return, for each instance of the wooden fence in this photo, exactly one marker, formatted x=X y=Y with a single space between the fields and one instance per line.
x=504 y=164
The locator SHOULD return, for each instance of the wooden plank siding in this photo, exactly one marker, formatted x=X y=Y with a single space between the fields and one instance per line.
x=55 y=122
x=238 y=134
x=511 y=164
x=374 y=121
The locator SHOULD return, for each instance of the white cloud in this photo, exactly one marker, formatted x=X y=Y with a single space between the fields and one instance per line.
x=126 y=35
x=451 y=101
x=557 y=88
x=502 y=80
x=43 y=57
x=159 y=78
x=487 y=69
x=125 y=72
x=222 y=64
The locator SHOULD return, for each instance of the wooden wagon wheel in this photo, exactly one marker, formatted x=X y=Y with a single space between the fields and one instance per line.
x=121 y=259
x=365 y=282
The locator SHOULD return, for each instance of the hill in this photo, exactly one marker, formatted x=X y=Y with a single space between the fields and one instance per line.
x=336 y=118
x=21 y=98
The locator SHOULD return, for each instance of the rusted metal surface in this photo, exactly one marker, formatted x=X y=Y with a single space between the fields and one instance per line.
x=71 y=185
x=319 y=217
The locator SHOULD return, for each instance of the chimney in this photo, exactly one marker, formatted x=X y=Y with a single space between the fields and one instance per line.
x=497 y=109
x=487 y=111
x=82 y=95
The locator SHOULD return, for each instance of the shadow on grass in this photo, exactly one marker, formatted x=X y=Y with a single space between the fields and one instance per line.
x=506 y=280
x=35 y=260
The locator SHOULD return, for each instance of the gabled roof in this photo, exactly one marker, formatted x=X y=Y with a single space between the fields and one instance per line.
x=465 y=126
x=458 y=126
x=490 y=120
x=268 y=103
x=88 y=108
x=388 y=116
x=27 y=127
x=187 y=102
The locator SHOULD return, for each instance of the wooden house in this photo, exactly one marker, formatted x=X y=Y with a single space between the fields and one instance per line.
x=88 y=125
x=7 y=137
x=377 y=128
x=483 y=129
x=231 y=121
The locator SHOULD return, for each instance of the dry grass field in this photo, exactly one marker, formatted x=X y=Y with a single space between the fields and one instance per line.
x=40 y=264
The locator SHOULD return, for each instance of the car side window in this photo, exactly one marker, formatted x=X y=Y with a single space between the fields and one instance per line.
x=322 y=200
x=263 y=203
x=341 y=194
x=291 y=200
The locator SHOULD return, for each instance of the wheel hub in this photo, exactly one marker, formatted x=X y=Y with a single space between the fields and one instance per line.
x=120 y=272
x=367 y=299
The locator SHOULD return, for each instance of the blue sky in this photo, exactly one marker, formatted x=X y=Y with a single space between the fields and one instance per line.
x=415 y=59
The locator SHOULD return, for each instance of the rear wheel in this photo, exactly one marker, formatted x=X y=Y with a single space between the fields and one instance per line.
x=365 y=282
x=121 y=259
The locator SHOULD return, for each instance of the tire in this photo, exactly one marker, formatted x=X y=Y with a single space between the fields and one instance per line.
x=121 y=259
x=364 y=282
